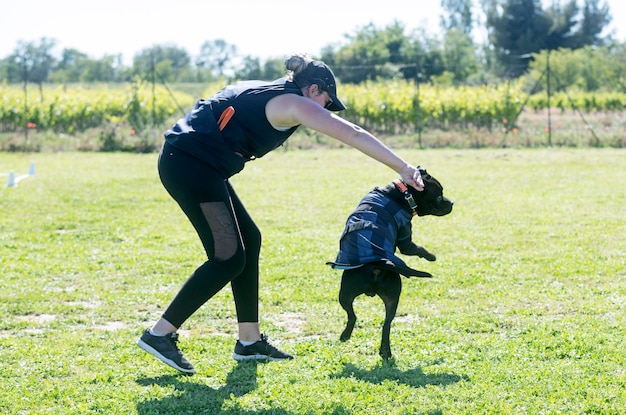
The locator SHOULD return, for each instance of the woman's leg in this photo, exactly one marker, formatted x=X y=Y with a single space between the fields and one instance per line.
x=245 y=286
x=232 y=243
x=204 y=197
x=251 y=344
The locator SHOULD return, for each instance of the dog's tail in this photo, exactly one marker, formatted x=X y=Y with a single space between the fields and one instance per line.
x=420 y=274
x=402 y=270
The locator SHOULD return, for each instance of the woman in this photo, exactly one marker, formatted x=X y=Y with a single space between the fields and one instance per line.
x=211 y=143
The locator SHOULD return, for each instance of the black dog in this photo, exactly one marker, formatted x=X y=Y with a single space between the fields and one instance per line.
x=380 y=223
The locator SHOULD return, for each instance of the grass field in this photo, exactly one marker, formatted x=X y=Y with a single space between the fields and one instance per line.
x=526 y=313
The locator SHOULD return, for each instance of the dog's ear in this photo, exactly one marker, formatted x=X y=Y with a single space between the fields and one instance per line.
x=422 y=171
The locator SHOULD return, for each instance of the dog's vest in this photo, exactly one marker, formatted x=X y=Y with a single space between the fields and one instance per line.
x=372 y=232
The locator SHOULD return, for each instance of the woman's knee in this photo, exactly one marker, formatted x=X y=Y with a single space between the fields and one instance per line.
x=252 y=241
x=234 y=265
x=227 y=241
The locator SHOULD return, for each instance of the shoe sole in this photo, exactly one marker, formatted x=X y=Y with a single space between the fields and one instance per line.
x=154 y=352
x=241 y=357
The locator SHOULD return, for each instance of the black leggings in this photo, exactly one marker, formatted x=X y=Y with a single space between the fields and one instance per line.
x=230 y=237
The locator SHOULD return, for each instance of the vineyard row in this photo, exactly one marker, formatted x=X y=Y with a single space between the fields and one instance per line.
x=388 y=107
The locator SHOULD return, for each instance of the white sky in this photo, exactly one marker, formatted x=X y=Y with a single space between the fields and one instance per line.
x=261 y=28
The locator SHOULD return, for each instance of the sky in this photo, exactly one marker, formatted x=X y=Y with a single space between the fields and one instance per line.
x=260 y=28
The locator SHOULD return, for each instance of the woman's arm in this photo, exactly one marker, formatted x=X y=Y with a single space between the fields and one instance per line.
x=290 y=109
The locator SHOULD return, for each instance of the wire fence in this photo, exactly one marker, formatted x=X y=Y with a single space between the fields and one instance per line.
x=391 y=108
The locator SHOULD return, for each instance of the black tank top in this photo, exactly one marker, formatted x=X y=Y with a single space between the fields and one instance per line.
x=248 y=132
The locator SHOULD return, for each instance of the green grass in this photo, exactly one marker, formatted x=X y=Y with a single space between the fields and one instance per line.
x=525 y=315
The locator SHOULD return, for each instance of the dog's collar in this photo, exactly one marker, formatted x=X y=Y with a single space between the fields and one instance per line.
x=407 y=195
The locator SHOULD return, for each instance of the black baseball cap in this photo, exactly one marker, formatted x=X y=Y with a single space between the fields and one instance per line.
x=317 y=72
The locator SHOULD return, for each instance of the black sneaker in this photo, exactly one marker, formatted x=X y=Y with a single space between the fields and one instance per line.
x=165 y=348
x=261 y=350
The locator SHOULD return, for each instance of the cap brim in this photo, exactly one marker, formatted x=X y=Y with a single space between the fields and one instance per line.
x=336 y=105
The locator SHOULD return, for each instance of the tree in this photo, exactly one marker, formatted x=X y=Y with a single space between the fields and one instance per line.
x=518 y=28
x=101 y=70
x=273 y=69
x=70 y=67
x=362 y=57
x=371 y=53
x=31 y=62
x=595 y=18
x=617 y=67
x=216 y=55
x=173 y=63
x=588 y=69
x=251 y=68
x=457 y=15
x=424 y=57
x=4 y=69
x=459 y=55
x=563 y=20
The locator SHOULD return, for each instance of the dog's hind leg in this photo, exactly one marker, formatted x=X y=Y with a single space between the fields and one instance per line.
x=350 y=289
x=389 y=291
x=346 y=302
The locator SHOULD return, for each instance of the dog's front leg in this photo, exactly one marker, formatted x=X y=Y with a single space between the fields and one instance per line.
x=411 y=248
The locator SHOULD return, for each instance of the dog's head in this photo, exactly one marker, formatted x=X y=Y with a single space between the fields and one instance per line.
x=431 y=200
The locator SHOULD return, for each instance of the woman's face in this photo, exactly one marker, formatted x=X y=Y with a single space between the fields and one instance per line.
x=320 y=97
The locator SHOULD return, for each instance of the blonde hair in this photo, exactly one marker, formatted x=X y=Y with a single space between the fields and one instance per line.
x=296 y=64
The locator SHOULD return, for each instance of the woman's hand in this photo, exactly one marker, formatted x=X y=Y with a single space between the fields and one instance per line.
x=412 y=176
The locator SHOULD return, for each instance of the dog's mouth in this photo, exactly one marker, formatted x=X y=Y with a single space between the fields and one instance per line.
x=445 y=209
x=442 y=208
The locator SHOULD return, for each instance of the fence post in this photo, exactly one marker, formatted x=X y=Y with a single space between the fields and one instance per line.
x=418 y=106
x=549 y=94
x=25 y=117
x=11 y=181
